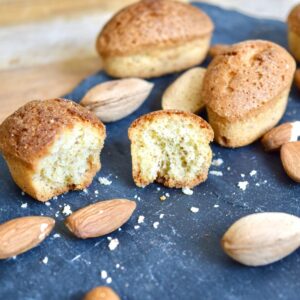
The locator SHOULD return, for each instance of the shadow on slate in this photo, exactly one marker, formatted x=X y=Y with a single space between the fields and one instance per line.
x=182 y=259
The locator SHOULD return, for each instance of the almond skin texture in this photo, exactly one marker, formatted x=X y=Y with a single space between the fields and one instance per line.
x=277 y=136
x=101 y=293
x=100 y=218
x=22 y=234
x=114 y=100
x=290 y=158
x=262 y=238
x=297 y=78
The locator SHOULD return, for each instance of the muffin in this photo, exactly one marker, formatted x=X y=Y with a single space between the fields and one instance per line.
x=246 y=89
x=170 y=147
x=154 y=37
x=294 y=31
x=51 y=147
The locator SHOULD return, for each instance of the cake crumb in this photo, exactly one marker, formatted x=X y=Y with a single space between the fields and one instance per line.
x=242 y=175
x=194 y=209
x=55 y=198
x=47 y=203
x=253 y=173
x=216 y=173
x=24 y=205
x=228 y=168
x=161 y=216
x=67 y=210
x=117 y=266
x=155 y=225
x=96 y=192
x=243 y=185
x=216 y=205
x=136 y=227
x=45 y=260
x=187 y=191
x=158 y=189
x=113 y=244
x=85 y=191
x=104 y=181
x=217 y=162
x=141 y=219
x=109 y=280
x=103 y=274
x=56 y=235
x=162 y=198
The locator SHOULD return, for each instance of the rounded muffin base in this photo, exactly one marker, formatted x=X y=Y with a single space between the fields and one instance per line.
x=159 y=61
x=294 y=44
x=242 y=132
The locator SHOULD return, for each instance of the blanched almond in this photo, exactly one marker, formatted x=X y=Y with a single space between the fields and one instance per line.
x=262 y=238
x=290 y=158
x=100 y=218
x=22 y=234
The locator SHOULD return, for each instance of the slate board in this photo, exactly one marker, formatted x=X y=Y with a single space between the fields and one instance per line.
x=182 y=259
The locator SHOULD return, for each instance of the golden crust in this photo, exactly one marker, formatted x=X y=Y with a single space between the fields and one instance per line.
x=152 y=23
x=294 y=19
x=247 y=76
x=27 y=132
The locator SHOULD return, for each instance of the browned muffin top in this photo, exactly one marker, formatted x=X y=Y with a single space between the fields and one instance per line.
x=294 y=19
x=170 y=113
x=155 y=23
x=26 y=132
x=246 y=76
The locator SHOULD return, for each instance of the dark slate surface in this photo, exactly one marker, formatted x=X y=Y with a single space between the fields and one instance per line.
x=181 y=259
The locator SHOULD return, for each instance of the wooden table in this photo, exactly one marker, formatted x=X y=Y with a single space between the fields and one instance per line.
x=48 y=47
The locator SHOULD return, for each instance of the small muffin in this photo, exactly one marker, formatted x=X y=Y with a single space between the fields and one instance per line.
x=170 y=147
x=154 y=37
x=246 y=89
x=51 y=147
x=294 y=31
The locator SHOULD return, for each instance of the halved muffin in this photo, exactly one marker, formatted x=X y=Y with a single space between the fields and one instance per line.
x=170 y=147
x=154 y=37
x=51 y=147
x=246 y=88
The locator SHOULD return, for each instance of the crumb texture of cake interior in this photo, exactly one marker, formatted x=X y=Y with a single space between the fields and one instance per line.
x=246 y=88
x=170 y=147
x=51 y=147
x=154 y=37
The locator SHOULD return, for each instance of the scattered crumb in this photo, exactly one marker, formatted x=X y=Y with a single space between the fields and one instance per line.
x=96 y=192
x=135 y=196
x=265 y=181
x=104 y=181
x=162 y=198
x=137 y=227
x=109 y=280
x=216 y=205
x=24 y=205
x=119 y=229
x=139 y=198
x=109 y=238
x=45 y=260
x=155 y=225
x=253 y=172
x=103 y=274
x=85 y=191
x=47 y=203
x=161 y=216
x=56 y=235
x=217 y=162
x=243 y=185
x=113 y=244
x=194 y=209
x=242 y=175
x=117 y=266
x=228 y=168
x=23 y=193
x=216 y=173
x=158 y=189
x=167 y=195
x=57 y=214
x=257 y=184
x=76 y=257
x=187 y=191
x=67 y=210
x=55 y=198
x=141 y=219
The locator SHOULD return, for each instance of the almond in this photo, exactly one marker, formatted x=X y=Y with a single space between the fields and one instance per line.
x=218 y=49
x=284 y=133
x=297 y=78
x=262 y=238
x=116 y=99
x=100 y=218
x=101 y=293
x=22 y=234
x=290 y=158
x=185 y=92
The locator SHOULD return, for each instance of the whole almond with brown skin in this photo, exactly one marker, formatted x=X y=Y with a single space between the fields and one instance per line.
x=262 y=238
x=277 y=136
x=100 y=218
x=22 y=234
x=116 y=99
x=297 y=78
x=101 y=293
x=290 y=158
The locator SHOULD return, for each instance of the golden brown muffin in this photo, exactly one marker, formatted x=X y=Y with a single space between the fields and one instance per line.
x=154 y=37
x=51 y=147
x=246 y=89
x=294 y=31
x=170 y=147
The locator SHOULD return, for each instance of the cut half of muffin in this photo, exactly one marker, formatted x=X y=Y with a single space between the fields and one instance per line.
x=170 y=147
x=51 y=147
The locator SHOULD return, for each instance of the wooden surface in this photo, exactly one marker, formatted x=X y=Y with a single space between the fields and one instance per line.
x=48 y=46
